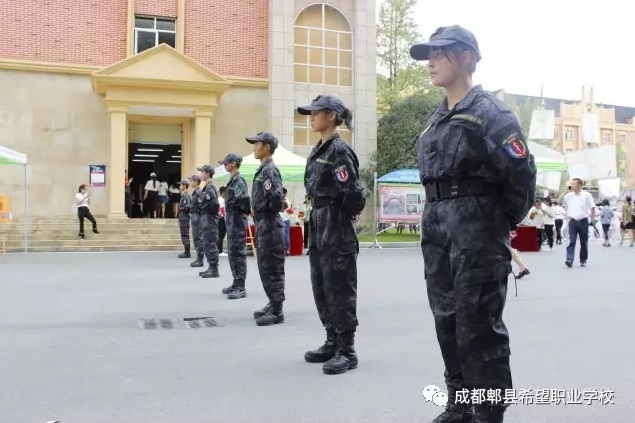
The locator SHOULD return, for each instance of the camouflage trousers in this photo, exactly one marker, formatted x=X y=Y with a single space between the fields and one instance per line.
x=271 y=270
x=333 y=250
x=270 y=254
x=197 y=234
x=210 y=239
x=465 y=245
x=184 y=227
x=237 y=252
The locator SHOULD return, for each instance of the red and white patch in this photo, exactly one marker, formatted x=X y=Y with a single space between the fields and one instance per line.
x=267 y=184
x=341 y=174
x=516 y=148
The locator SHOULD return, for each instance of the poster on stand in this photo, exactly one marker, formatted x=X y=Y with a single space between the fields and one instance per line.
x=97 y=176
x=401 y=204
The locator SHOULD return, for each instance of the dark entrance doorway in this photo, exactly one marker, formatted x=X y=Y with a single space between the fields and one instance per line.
x=143 y=159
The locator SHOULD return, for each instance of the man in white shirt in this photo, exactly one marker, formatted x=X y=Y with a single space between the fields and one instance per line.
x=579 y=206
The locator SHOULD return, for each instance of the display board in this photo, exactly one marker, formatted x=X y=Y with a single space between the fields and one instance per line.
x=400 y=203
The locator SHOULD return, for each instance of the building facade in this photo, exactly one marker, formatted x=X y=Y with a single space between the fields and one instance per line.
x=617 y=126
x=168 y=85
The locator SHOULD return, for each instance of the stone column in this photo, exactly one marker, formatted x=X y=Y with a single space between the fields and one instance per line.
x=281 y=102
x=118 y=147
x=202 y=137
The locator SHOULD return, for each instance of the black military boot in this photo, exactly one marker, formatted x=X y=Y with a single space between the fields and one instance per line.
x=228 y=289
x=237 y=293
x=198 y=262
x=210 y=273
x=484 y=413
x=455 y=413
x=186 y=252
x=262 y=311
x=345 y=358
x=273 y=316
x=325 y=352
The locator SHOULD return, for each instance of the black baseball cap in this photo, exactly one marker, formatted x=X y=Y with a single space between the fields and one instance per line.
x=443 y=37
x=195 y=178
x=231 y=158
x=206 y=168
x=323 y=102
x=265 y=138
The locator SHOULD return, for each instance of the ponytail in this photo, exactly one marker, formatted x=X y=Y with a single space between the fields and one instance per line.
x=345 y=118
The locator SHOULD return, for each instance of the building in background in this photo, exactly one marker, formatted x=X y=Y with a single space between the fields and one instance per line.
x=165 y=86
x=616 y=126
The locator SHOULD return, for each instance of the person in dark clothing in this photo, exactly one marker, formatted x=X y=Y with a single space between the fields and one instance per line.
x=337 y=197
x=267 y=201
x=185 y=206
x=237 y=208
x=480 y=181
x=197 y=224
x=208 y=204
x=222 y=226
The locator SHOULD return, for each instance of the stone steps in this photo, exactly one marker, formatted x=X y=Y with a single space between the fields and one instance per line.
x=115 y=235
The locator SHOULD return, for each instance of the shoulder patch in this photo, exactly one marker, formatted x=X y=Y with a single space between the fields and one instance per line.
x=341 y=173
x=515 y=147
x=267 y=185
x=238 y=191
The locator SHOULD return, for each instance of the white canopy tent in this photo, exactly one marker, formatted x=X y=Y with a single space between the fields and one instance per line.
x=550 y=164
x=12 y=157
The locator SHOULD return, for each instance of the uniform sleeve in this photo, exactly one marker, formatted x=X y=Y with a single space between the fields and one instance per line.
x=241 y=194
x=273 y=190
x=511 y=157
x=346 y=173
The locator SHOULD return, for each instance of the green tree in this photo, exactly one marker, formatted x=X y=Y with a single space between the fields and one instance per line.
x=398 y=129
x=399 y=76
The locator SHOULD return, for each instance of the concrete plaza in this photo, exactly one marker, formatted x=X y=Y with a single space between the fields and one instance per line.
x=71 y=348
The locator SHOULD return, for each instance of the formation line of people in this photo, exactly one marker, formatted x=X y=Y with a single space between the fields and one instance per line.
x=337 y=197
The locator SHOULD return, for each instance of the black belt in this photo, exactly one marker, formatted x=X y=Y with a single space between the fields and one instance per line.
x=317 y=202
x=444 y=190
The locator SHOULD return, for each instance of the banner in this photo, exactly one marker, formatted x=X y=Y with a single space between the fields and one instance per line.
x=543 y=125
x=97 y=175
x=401 y=204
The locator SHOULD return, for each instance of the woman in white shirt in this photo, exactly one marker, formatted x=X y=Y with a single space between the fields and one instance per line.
x=559 y=215
x=151 y=196
x=82 y=200
x=549 y=220
x=536 y=216
x=163 y=198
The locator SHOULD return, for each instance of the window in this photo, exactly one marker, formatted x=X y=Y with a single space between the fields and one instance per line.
x=568 y=134
x=323 y=47
x=607 y=137
x=623 y=138
x=303 y=135
x=150 y=32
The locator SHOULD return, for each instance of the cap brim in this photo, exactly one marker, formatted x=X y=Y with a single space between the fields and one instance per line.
x=306 y=110
x=222 y=162
x=252 y=140
x=422 y=51
x=200 y=169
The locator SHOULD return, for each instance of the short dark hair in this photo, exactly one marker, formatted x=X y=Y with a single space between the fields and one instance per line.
x=81 y=187
x=578 y=180
x=222 y=189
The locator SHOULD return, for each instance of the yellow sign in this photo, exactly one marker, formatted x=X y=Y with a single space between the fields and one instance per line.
x=5 y=209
